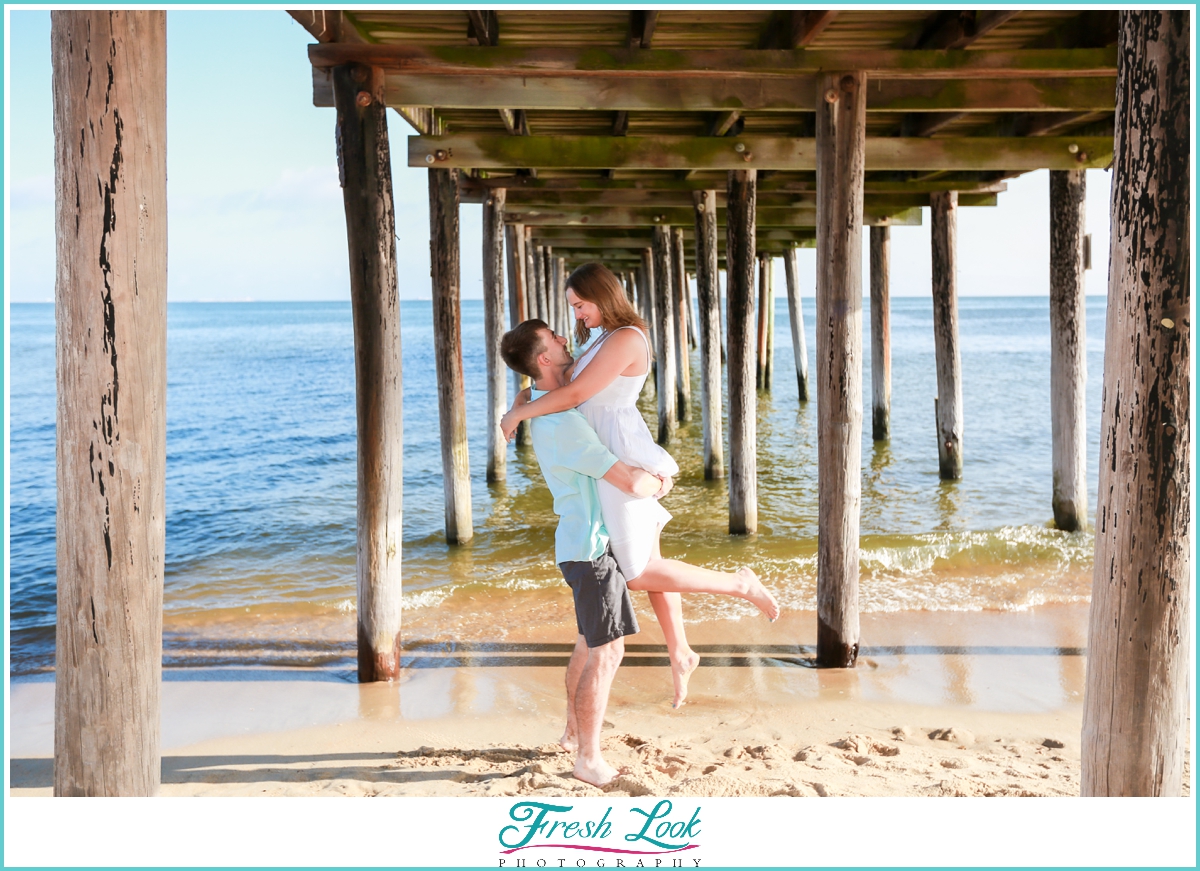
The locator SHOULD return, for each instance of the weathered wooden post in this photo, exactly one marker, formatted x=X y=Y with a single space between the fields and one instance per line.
x=796 y=315
x=518 y=308
x=760 y=371
x=1068 y=348
x=566 y=317
x=371 y=240
x=110 y=174
x=531 y=280
x=949 y=405
x=683 y=369
x=841 y=149
x=708 y=301
x=665 y=328
x=1136 y=702
x=769 y=366
x=539 y=282
x=548 y=275
x=739 y=291
x=693 y=338
x=881 y=334
x=645 y=283
x=493 y=328
x=447 y=349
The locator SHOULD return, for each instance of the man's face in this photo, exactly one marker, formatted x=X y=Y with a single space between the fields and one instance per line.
x=555 y=349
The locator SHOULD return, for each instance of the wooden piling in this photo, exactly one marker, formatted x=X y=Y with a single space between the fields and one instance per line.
x=796 y=316
x=531 y=281
x=566 y=318
x=447 y=351
x=1068 y=348
x=646 y=277
x=769 y=366
x=109 y=75
x=760 y=370
x=693 y=336
x=539 y=283
x=739 y=290
x=708 y=301
x=518 y=309
x=493 y=329
x=944 y=220
x=840 y=145
x=665 y=328
x=1136 y=701
x=683 y=369
x=881 y=334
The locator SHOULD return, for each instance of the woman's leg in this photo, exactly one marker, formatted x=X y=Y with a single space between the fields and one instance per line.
x=673 y=576
x=668 y=609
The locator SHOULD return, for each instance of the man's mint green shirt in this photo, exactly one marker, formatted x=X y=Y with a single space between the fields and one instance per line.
x=572 y=458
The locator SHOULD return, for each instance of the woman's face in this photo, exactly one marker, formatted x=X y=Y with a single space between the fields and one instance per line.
x=585 y=311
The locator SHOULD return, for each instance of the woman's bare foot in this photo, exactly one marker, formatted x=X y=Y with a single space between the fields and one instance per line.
x=758 y=595
x=681 y=672
x=568 y=741
x=597 y=774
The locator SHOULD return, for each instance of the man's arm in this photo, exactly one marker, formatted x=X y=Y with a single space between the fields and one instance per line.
x=632 y=481
x=581 y=450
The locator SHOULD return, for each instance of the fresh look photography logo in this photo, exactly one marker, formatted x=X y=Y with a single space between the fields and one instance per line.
x=637 y=837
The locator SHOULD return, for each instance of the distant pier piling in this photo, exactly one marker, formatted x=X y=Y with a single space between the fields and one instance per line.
x=881 y=334
x=949 y=405
x=796 y=316
x=493 y=329
x=708 y=301
x=518 y=307
x=743 y=411
x=683 y=374
x=668 y=420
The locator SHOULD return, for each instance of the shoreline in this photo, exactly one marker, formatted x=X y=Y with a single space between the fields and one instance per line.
x=942 y=703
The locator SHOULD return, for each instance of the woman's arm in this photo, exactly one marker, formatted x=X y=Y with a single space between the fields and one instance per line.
x=622 y=351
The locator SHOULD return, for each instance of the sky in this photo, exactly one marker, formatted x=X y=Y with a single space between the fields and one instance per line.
x=255 y=211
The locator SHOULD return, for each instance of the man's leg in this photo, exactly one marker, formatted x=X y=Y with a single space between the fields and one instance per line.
x=591 y=700
x=570 y=738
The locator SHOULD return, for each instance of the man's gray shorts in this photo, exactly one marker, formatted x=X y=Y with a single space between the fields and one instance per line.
x=603 y=609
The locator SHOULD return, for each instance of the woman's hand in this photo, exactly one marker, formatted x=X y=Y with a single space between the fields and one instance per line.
x=667 y=483
x=511 y=420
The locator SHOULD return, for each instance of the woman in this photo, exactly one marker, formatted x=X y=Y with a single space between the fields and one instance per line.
x=605 y=384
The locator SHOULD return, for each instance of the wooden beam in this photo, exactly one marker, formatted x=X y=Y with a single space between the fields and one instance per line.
x=483 y=27
x=493 y=329
x=626 y=197
x=949 y=402
x=724 y=122
x=641 y=28
x=487 y=151
x=881 y=334
x=841 y=137
x=1056 y=92
x=878 y=183
x=743 y=411
x=447 y=351
x=328 y=25
x=708 y=300
x=556 y=62
x=641 y=237
x=642 y=216
x=807 y=25
x=664 y=300
x=956 y=30
x=1068 y=349
x=1136 y=729
x=796 y=317
x=110 y=122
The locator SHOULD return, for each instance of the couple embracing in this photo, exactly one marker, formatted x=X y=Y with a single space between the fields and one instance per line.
x=606 y=474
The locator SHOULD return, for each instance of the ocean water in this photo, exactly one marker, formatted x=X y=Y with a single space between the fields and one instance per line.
x=261 y=484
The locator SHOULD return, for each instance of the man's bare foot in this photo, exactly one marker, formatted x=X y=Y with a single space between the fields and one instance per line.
x=598 y=774
x=681 y=672
x=568 y=741
x=758 y=595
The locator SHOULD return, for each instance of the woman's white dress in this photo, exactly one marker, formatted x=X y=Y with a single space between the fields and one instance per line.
x=632 y=523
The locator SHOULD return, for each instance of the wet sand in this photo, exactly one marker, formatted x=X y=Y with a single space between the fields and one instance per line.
x=950 y=703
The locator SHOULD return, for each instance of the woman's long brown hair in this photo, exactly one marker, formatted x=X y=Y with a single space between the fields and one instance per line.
x=594 y=283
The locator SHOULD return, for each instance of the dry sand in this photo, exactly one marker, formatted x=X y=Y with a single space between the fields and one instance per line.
x=983 y=704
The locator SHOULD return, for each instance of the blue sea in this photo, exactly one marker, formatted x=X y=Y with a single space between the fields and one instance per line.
x=261 y=483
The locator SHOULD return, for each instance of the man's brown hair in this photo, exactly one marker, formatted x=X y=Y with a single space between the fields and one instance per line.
x=521 y=346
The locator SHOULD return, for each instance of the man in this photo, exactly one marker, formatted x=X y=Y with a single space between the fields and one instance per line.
x=572 y=459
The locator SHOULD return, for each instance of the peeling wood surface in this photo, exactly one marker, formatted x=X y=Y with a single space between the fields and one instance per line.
x=447 y=349
x=743 y=411
x=881 y=334
x=708 y=300
x=365 y=160
x=493 y=329
x=949 y=403
x=841 y=135
x=1068 y=349
x=109 y=74
x=1136 y=703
